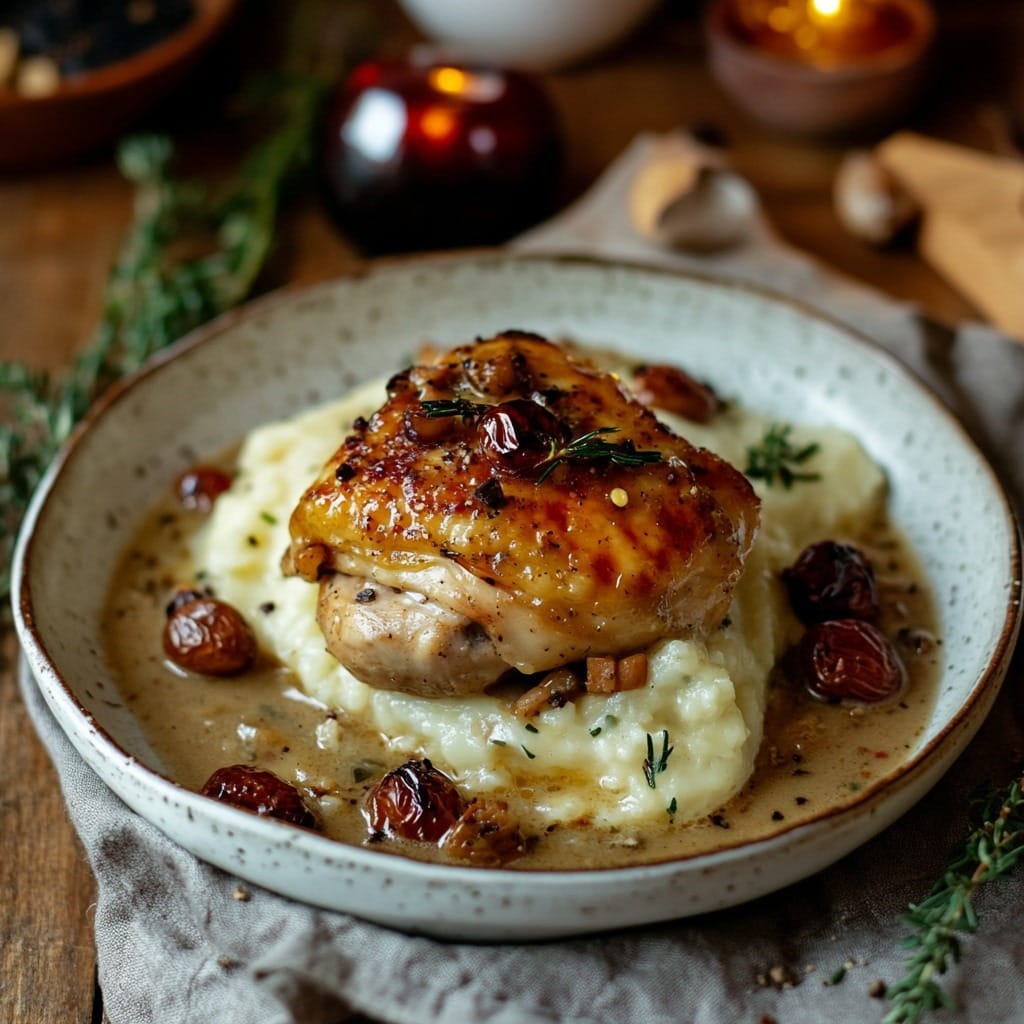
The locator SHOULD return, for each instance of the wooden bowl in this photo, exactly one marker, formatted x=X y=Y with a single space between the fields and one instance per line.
x=90 y=109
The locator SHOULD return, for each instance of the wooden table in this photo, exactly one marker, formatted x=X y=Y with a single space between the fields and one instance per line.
x=59 y=231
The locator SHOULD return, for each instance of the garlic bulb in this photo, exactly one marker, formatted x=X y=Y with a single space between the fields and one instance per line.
x=869 y=201
x=683 y=197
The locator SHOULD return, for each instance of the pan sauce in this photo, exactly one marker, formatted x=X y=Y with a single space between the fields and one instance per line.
x=814 y=755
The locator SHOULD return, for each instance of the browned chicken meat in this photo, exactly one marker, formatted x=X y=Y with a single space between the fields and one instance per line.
x=511 y=506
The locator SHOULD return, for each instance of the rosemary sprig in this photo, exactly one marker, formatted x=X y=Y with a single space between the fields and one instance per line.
x=776 y=457
x=590 y=446
x=991 y=850
x=153 y=297
x=437 y=408
x=654 y=767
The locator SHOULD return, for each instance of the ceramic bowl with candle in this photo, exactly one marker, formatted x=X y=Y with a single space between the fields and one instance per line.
x=821 y=67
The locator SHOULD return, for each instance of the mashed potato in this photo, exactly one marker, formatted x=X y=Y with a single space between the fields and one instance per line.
x=704 y=700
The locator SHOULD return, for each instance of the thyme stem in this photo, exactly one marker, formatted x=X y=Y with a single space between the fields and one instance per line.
x=591 y=446
x=992 y=849
x=654 y=766
x=153 y=298
x=775 y=458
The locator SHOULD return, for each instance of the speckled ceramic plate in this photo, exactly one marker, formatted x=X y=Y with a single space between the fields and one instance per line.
x=283 y=353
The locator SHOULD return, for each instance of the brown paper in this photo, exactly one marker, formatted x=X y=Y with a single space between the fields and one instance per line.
x=972 y=230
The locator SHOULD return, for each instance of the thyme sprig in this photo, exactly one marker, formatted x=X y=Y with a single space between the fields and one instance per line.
x=992 y=849
x=591 y=446
x=154 y=296
x=653 y=767
x=775 y=458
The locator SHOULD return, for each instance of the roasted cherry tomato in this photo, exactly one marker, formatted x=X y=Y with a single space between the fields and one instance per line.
x=259 y=791
x=519 y=436
x=208 y=636
x=850 y=659
x=832 y=580
x=414 y=801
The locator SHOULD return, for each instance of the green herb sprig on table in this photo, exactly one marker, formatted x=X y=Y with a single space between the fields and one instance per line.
x=152 y=296
x=992 y=849
x=775 y=458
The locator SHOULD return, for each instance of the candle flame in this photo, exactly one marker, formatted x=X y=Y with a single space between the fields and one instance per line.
x=826 y=8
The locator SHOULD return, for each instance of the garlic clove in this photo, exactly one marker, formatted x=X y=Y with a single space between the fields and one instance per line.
x=869 y=201
x=683 y=198
x=658 y=183
x=716 y=214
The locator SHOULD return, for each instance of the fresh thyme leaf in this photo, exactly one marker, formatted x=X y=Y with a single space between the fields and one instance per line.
x=607 y=722
x=775 y=458
x=991 y=850
x=530 y=727
x=437 y=408
x=654 y=767
x=269 y=518
x=837 y=976
x=591 y=446
x=153 y=298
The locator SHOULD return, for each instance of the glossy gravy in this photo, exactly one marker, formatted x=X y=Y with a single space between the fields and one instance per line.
x=815 y=756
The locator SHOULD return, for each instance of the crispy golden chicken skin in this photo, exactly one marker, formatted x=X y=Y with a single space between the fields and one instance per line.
x=511 y=506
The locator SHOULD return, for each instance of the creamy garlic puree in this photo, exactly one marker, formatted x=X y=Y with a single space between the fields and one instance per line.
x=575 y=775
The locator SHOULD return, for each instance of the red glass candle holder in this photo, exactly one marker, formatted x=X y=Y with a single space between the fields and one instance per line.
x=421 y=155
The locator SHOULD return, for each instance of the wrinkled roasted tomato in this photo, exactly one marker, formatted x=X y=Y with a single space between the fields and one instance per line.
x=208 y=636
x=259 y=791
x=850 y=659
x=199 y=487
x=669 y=388
x=414 y=801
x=832 y=580
x=518 y=436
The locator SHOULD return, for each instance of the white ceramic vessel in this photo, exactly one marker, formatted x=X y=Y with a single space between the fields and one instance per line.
x=535 y=35
x=290 y=350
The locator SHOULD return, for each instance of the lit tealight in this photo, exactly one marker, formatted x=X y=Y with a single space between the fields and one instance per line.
x=822 y=66
x=826 y=8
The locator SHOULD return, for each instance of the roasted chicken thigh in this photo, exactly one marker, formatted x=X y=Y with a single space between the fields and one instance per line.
x=510 y=506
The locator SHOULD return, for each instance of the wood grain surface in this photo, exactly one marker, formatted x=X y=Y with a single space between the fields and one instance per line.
x=60 y=229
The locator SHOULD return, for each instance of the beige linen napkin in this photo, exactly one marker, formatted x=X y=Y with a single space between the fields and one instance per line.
x=175 y=946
